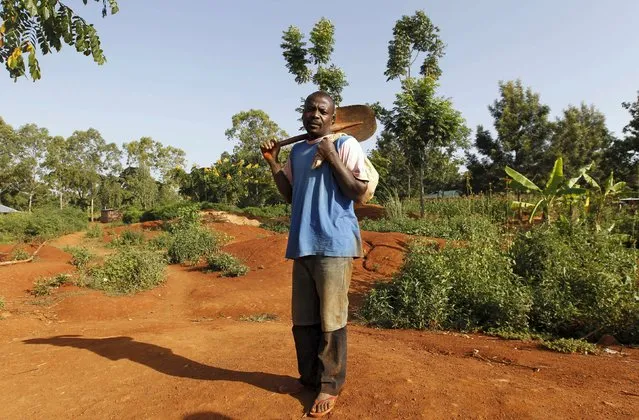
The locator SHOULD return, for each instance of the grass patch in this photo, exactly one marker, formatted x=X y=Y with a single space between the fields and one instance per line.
x=44 y=286
x=227 y=264
x=128 y=271
x=570 y=345
x=20 y=254
x=80 y=256
x=263 y=317
x=94 y=231
x=127 y=238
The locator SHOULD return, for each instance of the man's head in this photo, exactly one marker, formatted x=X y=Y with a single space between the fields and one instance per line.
x=318 y=114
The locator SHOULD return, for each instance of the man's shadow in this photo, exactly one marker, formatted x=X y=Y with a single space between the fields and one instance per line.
x=163 y=360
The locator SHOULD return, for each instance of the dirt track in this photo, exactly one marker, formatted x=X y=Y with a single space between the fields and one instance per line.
x=183 y=351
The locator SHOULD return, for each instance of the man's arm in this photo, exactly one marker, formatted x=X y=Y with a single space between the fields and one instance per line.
x=352 y=187
x=270 y=150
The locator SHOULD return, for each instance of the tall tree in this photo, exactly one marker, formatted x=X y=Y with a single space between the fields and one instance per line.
x=422 y=129
x=251 y=128
x=29 y=170
x=30 y=25
x=486 y=170
x=523 y=128
x=581 y=137
x=80 y=164
x=412 y=36
x=300 y=60
x=159 y=159
x=622 y=156
x=7 y=157
x=434 y=130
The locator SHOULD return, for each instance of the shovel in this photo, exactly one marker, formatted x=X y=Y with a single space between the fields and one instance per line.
x=355 y=120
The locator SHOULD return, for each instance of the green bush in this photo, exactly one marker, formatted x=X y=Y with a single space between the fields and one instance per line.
x=470 y=288
x=94 y=231
x=127 y=238
x=569 y=345
x=132 y=215
x=276 y=226
x=268 y=212
x=80 y=256
x=582 y=282
x=128 y=271
x=20 y=254
x=227 y=264
x=192 y=244
x=45 y=223
x=160 y=242
x=476 y=227
x=43 y=287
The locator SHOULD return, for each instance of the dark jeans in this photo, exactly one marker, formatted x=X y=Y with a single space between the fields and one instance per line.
x=321 y=357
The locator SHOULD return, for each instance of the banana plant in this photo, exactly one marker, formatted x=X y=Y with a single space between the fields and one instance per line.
x=611 y=189
x=556 y=188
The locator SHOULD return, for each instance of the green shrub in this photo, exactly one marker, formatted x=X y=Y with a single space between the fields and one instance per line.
x=263 y=317
x=94 y=231
x=43 y=287
x=495 y=207
x=476 y=227
x=190 y=245
x=132 y=215
x=80 y=256
x=582 y=282
x=470 y=288
x=128 y=271
x=268 y=212
x=569 y=345
x=227 y=264
x=160 y=242
x=45 y=223
x=20 y=254
x=127 y=238
x=276 y=226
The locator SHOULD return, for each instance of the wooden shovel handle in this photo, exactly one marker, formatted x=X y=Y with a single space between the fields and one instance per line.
x=335 y=128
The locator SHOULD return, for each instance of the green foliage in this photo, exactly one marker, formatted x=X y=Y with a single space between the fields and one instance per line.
x=276 y=226
x=190 y=242
x=413 y=35
x=570 y=345
x=459 y=227
x=470 y=288
x=132 y=215
x=556 y=188
x=20 y=254
x=328 y=78
x=583 y=282
x=80 y=256
x=166 y=212
x=190 y=245
x=1 y=303
x=129 y=270
x=127 y=238
x=227 y=264
x=44 y=286
x=43 y=223
x=94 y=232
x=29 y=24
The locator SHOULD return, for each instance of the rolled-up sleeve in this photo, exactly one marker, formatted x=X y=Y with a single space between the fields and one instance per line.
x=352 y=154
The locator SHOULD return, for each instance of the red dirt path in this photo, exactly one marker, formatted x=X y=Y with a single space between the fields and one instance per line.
x=182 y=351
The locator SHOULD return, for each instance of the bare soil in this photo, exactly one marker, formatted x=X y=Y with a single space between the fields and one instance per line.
x=189 y=350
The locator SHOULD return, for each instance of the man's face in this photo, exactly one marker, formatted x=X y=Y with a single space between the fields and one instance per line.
x=318 y=116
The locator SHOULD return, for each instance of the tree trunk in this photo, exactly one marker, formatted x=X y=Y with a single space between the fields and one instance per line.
x=421 y=188
x=91 y=217
x=30 y=201
x=60 y=200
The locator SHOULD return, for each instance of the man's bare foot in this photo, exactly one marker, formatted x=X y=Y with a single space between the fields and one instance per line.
x=323 y=404
x=294 y=387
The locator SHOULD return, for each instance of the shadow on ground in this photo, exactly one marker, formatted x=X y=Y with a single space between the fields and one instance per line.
x=163 y=360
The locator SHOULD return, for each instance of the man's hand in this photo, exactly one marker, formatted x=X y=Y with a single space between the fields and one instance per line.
x=270 y=150
x=325 y=152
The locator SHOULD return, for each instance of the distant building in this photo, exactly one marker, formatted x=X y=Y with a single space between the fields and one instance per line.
x=5 y=210
x=444 y=194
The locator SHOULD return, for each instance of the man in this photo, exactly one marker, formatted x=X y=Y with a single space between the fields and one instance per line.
x=324 y=238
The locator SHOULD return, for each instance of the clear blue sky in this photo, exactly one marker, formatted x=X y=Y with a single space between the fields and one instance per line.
x=177 y=71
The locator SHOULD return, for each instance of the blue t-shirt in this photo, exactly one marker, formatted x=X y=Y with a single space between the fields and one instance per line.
x=323 y=220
